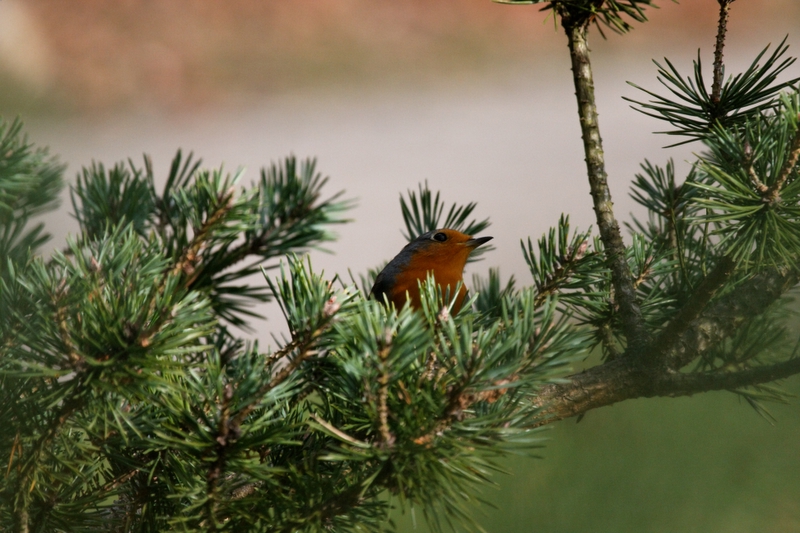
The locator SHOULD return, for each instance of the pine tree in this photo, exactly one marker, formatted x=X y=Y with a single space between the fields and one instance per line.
x=129 y=405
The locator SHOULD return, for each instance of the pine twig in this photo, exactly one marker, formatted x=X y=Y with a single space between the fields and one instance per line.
x=607 y=338
x=751 y=172
x=772 y=195
x=345 y=500
x=338 y=432
x=729 y=313
x=305 y=350
x=552 y=283
x=76 y=361
x=719 y=66
x=224 y=430
x=459 y=399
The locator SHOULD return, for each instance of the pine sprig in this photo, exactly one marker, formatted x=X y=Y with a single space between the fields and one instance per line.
x=200 y=219
x=746 y=171
x=693 y=112
x=490 y=293
x=103 y=199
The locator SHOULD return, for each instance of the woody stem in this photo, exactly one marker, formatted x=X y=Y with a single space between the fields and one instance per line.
x=576 y=26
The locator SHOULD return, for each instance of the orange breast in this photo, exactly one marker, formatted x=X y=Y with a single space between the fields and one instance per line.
x=447 y=270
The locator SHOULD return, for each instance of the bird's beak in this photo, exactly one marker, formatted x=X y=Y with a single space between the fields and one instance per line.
x=474 y=243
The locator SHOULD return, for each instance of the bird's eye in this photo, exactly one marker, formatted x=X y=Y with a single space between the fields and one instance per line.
x=441 y=237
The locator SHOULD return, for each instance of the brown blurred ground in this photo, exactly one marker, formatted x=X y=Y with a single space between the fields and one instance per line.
x=181 y=55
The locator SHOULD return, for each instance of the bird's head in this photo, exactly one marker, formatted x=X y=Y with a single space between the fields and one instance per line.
x=444 y=248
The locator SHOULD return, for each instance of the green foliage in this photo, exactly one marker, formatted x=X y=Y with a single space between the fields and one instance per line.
x=672 y=227
x=573 y=268
x=766 y=339
x=438 y=398
x=489 y=294
x=107 y=198
x=103 y=332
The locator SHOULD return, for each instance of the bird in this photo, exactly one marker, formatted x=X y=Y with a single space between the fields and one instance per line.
x=442 y=252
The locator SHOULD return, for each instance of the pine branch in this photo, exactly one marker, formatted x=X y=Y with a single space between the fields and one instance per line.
x=191 y=429
x=224 y=431
x=625 y=293
x=344 y=501
x=691 y=109
x=304 y=349
x=387 y=438
x=608 y=342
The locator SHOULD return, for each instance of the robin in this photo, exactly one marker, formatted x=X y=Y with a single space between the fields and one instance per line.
x=443 y=252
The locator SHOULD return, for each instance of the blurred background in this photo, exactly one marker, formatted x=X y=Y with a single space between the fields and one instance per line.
x=477 y=99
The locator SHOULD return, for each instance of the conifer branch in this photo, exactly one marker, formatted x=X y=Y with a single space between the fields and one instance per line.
x=344 y=501
x=576 y=25
x=609 y=343
x=553 y=282
x=338 y=432
x=721 y=319
x=75 y=359
x=224 y=430
x=623 y=379
x=460 y=398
